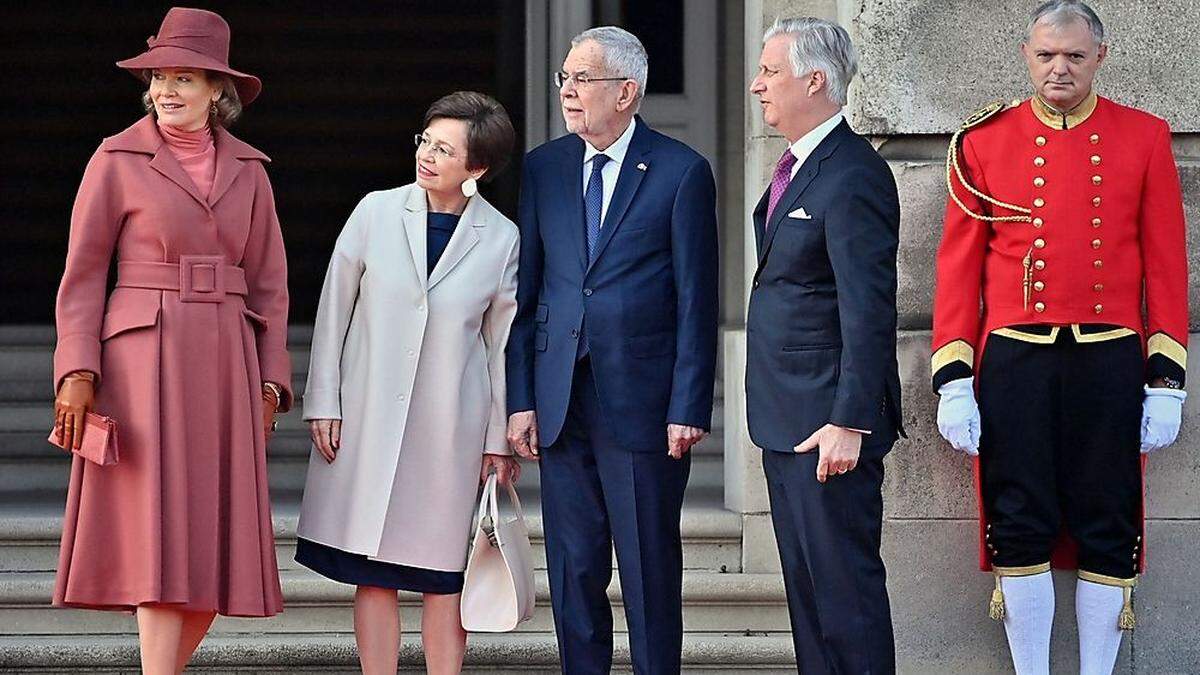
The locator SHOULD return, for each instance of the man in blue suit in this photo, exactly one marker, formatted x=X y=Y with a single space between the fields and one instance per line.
x=612 y=354
x=822 y=387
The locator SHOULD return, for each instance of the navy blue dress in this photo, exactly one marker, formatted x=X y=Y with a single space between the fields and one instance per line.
x=358 y=569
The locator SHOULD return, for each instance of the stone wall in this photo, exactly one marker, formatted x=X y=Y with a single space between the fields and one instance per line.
x=925 y=64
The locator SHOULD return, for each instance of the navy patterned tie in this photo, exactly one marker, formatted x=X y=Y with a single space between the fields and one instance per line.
x=593 y=200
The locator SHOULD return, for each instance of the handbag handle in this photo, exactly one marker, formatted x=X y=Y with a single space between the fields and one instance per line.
x=489 y=502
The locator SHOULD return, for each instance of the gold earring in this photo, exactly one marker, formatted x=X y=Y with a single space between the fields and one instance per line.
x=212 y=109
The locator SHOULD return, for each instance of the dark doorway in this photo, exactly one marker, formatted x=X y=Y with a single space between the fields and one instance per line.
x=345 y=88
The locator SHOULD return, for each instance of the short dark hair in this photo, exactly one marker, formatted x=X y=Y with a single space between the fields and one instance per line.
x=490 y=134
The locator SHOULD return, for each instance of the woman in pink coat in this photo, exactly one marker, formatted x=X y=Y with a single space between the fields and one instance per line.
x=187 y=354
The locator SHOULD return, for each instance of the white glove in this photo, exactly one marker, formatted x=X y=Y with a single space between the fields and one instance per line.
x=958 y=415
x=1162 y=413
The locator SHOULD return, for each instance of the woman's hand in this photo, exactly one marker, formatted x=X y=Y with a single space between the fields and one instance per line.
x=270 y=405
x=75 y=400
x=326 y=436
x=508 y=469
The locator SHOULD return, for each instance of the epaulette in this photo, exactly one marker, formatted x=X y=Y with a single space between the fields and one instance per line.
x=989 y=111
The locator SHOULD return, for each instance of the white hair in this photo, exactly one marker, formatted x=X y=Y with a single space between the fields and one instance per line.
x=1060 y=13
x=623 y=54
x=821 y=45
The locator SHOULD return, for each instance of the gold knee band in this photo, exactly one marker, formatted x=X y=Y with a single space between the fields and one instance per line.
x=1126 y=619
x=996 y=608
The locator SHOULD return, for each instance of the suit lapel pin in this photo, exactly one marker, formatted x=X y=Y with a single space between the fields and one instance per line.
x=641 y=166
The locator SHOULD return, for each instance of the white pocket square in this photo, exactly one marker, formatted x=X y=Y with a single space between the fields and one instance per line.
x=800 y=213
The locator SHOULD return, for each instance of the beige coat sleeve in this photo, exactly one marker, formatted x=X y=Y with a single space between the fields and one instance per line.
x=497 y=320
x=339 y=295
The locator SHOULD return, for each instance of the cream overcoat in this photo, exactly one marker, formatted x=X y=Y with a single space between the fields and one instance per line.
x=414 y=368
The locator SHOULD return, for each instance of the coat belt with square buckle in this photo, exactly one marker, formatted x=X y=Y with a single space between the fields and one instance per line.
x=195 y=278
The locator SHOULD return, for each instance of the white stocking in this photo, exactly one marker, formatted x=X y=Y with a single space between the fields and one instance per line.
x=1029 y=614
x=1097 y=608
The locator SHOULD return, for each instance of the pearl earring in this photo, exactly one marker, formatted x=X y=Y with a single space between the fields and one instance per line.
x=469 y=187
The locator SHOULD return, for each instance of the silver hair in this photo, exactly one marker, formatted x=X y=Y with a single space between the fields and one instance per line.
x=1059 y=13
x=624 y=55
x=821 y=45
x=228 y=107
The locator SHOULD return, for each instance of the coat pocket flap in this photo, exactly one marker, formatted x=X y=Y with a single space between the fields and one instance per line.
x=128 y=317
x=542 y=313
x=260 y=322
x=541 y=340
x=651 y=345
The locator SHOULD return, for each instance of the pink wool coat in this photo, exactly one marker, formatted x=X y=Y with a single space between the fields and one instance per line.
x=184 y=518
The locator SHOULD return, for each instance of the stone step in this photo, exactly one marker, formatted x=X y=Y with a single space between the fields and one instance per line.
x=711 y=602
x=335 y=653
x=31 y=524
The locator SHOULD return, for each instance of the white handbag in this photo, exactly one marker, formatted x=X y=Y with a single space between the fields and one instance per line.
x=498 y=592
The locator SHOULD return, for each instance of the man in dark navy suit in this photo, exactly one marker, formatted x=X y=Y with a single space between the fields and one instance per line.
x=822 y=388
x=613 y=351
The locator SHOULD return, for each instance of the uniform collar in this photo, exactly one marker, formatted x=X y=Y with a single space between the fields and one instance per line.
x=616 y=151
x=1053 y=118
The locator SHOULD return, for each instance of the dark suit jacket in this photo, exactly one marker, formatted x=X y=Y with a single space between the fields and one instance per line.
x=648 y=300
x=821 y=328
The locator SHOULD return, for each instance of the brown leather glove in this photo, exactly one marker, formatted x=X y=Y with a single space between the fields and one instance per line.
x=270 y=405
x=76 y=398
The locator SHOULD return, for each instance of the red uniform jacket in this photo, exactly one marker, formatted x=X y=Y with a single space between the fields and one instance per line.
x=1080 y=223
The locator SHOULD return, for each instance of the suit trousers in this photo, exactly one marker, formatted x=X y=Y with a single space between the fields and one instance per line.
x=597 y=496
x=829 y=538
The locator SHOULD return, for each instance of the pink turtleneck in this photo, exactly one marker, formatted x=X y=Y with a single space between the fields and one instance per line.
x=195 y=152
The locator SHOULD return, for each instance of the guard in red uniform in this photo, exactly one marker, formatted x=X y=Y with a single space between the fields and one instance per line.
x=1061 y=307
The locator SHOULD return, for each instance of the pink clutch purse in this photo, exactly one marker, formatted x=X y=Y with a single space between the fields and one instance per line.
x=99 y=440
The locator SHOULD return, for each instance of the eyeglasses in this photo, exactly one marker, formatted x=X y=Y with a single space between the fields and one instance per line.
x=561 y=78
x=439 y=151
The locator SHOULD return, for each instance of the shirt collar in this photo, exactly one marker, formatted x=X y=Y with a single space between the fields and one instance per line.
x=616 y=151
x=804 y=146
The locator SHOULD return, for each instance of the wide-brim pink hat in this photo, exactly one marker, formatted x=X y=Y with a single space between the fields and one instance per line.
x=193 y=38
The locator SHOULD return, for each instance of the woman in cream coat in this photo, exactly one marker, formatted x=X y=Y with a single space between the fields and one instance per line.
x=405 y=395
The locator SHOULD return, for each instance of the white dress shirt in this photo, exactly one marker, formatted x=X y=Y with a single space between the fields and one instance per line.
x=803 y=147
x=610 y=171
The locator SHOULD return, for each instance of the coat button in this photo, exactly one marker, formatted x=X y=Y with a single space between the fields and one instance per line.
x=1039 y=307
x=1039 y=181
x=1039 y=202
x=411 y=353
x=574 y=333
x=1039 y=161
x=1038 y=222
x=1098 y=264
x=1040 y=140
x=1099 y=308
x=587 y=292
x=1095 y=160
x=420 y=308
x=1095 y=243
x=1096 y=180
x=1039 y=243
x=1095 y=201
x=1039 y=285
x=1095 y=222
x=1039 y=264
x=1094 y=138
x=1098 y=287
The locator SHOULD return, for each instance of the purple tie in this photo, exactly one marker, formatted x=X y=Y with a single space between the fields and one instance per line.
x=779 y=182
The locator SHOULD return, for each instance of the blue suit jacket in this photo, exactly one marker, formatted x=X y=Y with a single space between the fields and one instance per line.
x=821 y=327
x=648 y=300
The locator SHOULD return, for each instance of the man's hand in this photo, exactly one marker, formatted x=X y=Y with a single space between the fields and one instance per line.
x=508 y=469
x=327 y=436
x=839 y=448
x=958 y=415
x=523 y=434
x=681 y=438
x=1162 y=414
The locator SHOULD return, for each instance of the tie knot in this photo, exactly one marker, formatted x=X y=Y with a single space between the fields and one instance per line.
x=599 y=161
x=786 y=160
